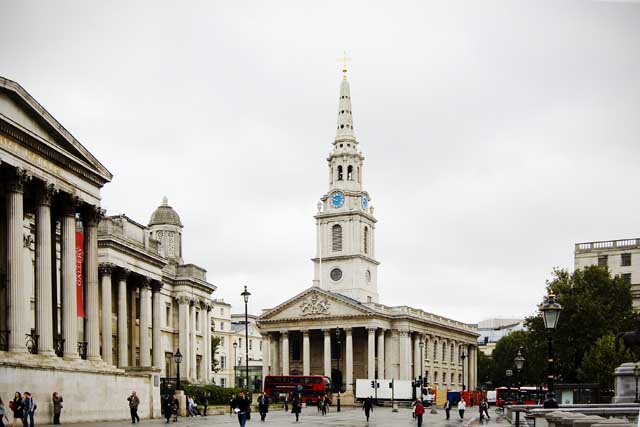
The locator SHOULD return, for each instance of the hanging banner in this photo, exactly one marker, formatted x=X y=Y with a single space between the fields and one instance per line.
x=79 y=257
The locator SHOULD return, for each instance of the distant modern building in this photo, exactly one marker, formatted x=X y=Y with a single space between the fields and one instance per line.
x=622 y=257
x=492 y=330
x=254 y=351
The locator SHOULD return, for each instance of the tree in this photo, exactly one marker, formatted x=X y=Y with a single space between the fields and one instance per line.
x=505 y=352
x=486 y=368
x=599 y=363
x=215 y=344
x=594 y=304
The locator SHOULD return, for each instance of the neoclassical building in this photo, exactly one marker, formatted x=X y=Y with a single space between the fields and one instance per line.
x=89 y=305
x=338 y=327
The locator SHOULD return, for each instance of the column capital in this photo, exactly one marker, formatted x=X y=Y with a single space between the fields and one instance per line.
x=183 y=299
x=17 y=179
x=403 y=332
x=69 y=205
x=284 y=334
x=156 y=285
x=106 y=268
x=144 y=282
x=45 y=194
x=327 y=332
x=92 y=215
x=348 y=330
x=123 y=273
x=371 y=329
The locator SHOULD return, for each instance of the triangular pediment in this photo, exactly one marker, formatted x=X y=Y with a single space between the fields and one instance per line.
x=19 y=109
x=316 y=303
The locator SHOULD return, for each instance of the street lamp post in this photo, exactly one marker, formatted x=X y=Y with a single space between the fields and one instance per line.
x=463 y=356
x=518 y=362
x=235 y=362
x=246 y=295
x=636 y=373
x=421 y=377
x=177 y=357
x=550 y=314
x=338 y=343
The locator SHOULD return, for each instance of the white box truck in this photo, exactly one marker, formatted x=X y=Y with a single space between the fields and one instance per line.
x=402 y=389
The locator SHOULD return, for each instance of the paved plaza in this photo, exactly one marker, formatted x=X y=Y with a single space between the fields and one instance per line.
x=310 y=417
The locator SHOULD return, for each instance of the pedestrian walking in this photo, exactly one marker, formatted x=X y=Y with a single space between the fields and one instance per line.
x=325 y=404
x=263 y=406
x=205 y=404
x=319 y=403
x=296 y=407
x=3 y=413
x=367 y=406
x=29 y=409
x=233 y=399
x=167 y=408
x=134 y=402
x=461 y=407
x=419 y=412
x=447 y=408
x=175 y=405
x=57 y=407
x=286 y=402
x=241 y=406
x=485 y=407
x=550 y=402
x=16 y=408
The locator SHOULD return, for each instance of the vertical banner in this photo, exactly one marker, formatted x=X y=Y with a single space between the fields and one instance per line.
x=79 y=257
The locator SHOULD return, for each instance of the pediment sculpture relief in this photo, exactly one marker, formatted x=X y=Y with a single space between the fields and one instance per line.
x=314 y=306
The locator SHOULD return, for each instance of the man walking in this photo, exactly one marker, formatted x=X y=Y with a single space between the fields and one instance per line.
x=241 y=407
x=447 y=408
x=263 y=406
x=29 y=409
x=134 y=402
x=367 y=406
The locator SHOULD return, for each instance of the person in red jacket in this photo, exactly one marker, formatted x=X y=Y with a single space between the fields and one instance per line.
x=419 y=412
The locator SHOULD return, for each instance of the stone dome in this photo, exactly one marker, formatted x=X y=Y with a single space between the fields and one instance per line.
x=165 y=215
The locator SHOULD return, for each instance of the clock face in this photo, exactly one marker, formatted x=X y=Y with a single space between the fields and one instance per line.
x=336 y=274
x=337 y=199
x=365 y=202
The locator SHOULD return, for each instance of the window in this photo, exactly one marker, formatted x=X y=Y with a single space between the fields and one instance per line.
x=602 y=260
x=435 y=377
x=167 y=319
x=239 y=342
x=452 y=378
x=339 y=173
x=336 y=238
x=426 y=376
x=459 y=378
x=349 y=173
x=260 y=345
x=221 y=311
x=365 y=239
x=223 y=382
x=250 y=344
x=221 y=341
x=222 y=326
x=198 y=314
x=435 y=351
x=625 y=260
x=444 y=352
x=626 y=278
x=223 y=362
x=452 y=350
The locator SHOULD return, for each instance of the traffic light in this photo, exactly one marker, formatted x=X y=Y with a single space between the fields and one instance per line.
x=373 y=384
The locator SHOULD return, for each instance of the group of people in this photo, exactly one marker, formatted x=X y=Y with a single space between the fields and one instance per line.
x=323 y=404
x=23 y=408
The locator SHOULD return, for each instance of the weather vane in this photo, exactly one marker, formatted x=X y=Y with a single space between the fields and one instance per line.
x=344 y=61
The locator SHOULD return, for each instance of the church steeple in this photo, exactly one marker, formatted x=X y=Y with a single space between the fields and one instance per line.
x=345 y=117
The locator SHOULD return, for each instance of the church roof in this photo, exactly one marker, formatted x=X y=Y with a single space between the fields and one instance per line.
x=165 y=215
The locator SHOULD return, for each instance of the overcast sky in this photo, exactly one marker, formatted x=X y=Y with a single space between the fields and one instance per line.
x=496 y=134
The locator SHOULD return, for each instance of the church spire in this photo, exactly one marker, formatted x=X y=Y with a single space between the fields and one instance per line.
x=345 y=118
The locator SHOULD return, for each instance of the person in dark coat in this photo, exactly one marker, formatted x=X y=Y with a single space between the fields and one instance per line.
x=134 y=402
x=29 y=409
x=17 y=408
x=205 y=404
x=175 y=405
x=57 y=407
x=550 y=402
x=296 y=407
x=447 y=408
x=367 y=406
x=263 y=406
x=167 y=408
x=242 y=406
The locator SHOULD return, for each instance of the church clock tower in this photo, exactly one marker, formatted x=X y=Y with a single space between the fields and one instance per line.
x=345 y=260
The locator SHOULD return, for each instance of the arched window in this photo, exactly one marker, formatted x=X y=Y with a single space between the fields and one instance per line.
x=444 y=352
x=349 y=173
x=365 y=240
x=452 y=350
x=452 y=378
x=435 y=377
x=336 y=238
x=339 y=173
x=435 y=351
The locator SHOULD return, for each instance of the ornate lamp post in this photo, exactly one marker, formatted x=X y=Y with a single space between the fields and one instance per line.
x=235 y=362
x=177 y=357
x=463 y=356
x=245 y=295
x=339 y=343
x=518 y=362
x=636 y=373
x=550 y=314
x=421 y=378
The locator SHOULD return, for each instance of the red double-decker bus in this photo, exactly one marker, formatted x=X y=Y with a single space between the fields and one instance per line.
x=310 y=387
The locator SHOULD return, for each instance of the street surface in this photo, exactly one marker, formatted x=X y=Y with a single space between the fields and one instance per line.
x=310 y=417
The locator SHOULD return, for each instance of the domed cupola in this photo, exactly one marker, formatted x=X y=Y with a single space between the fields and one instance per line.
x=165 y=227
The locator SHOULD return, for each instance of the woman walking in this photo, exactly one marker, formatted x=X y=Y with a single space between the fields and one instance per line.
x=296 y=407
x=461 y=407
x=57 y=407
x=16 y=407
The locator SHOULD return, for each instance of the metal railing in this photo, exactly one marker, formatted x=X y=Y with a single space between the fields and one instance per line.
x=82 y=349
x=58 y=345
x=31 y=342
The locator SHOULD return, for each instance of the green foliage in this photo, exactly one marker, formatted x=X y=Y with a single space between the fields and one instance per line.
x=216 y=395
x=486 y=368
x=503 y=359
x=594 y=304
x=215 y=345
x=600 y=361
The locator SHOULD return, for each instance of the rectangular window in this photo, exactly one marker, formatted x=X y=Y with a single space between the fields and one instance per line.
x=198 y=312
x=167 y=319
x=626 y=277
x=602 y=260
x=240 y=342
x=222 y=326
x=221 y=341
x=223 y=382
x=260 y=345
x=625 y=260
x=223 y=362
x=250 y=344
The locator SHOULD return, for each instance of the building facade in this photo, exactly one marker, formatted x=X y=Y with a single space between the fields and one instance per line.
x=338 y=328
x=621 y=257
x=223 y=374
x=493 y=330
x=252 y=348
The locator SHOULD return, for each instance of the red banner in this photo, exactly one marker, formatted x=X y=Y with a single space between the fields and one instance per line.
x=79 y=257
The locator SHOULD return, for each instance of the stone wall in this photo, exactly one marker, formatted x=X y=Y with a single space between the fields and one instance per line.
x=89 y=394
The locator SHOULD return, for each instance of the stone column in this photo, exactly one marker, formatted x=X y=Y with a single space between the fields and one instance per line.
x=405 y=355
x=349 y=358
x=145 y=317
x=193 y=373
x=134 y=341
x=275 y=356
x=123 y=333
x=266 y=357
x=285 y=353
x=206 y=336
x=327 y=352
x=473 y=381
x=371 y=353
x=156 y=344
x=69 y=305
x=381 y=373
x=91 y=219
x=44 y=307
x=105 y=271
x=306 y=353
x=416 y=356
x=18 y=299
x=183 y=334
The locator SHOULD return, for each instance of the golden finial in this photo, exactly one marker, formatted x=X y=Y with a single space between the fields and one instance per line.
x=344 y=61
